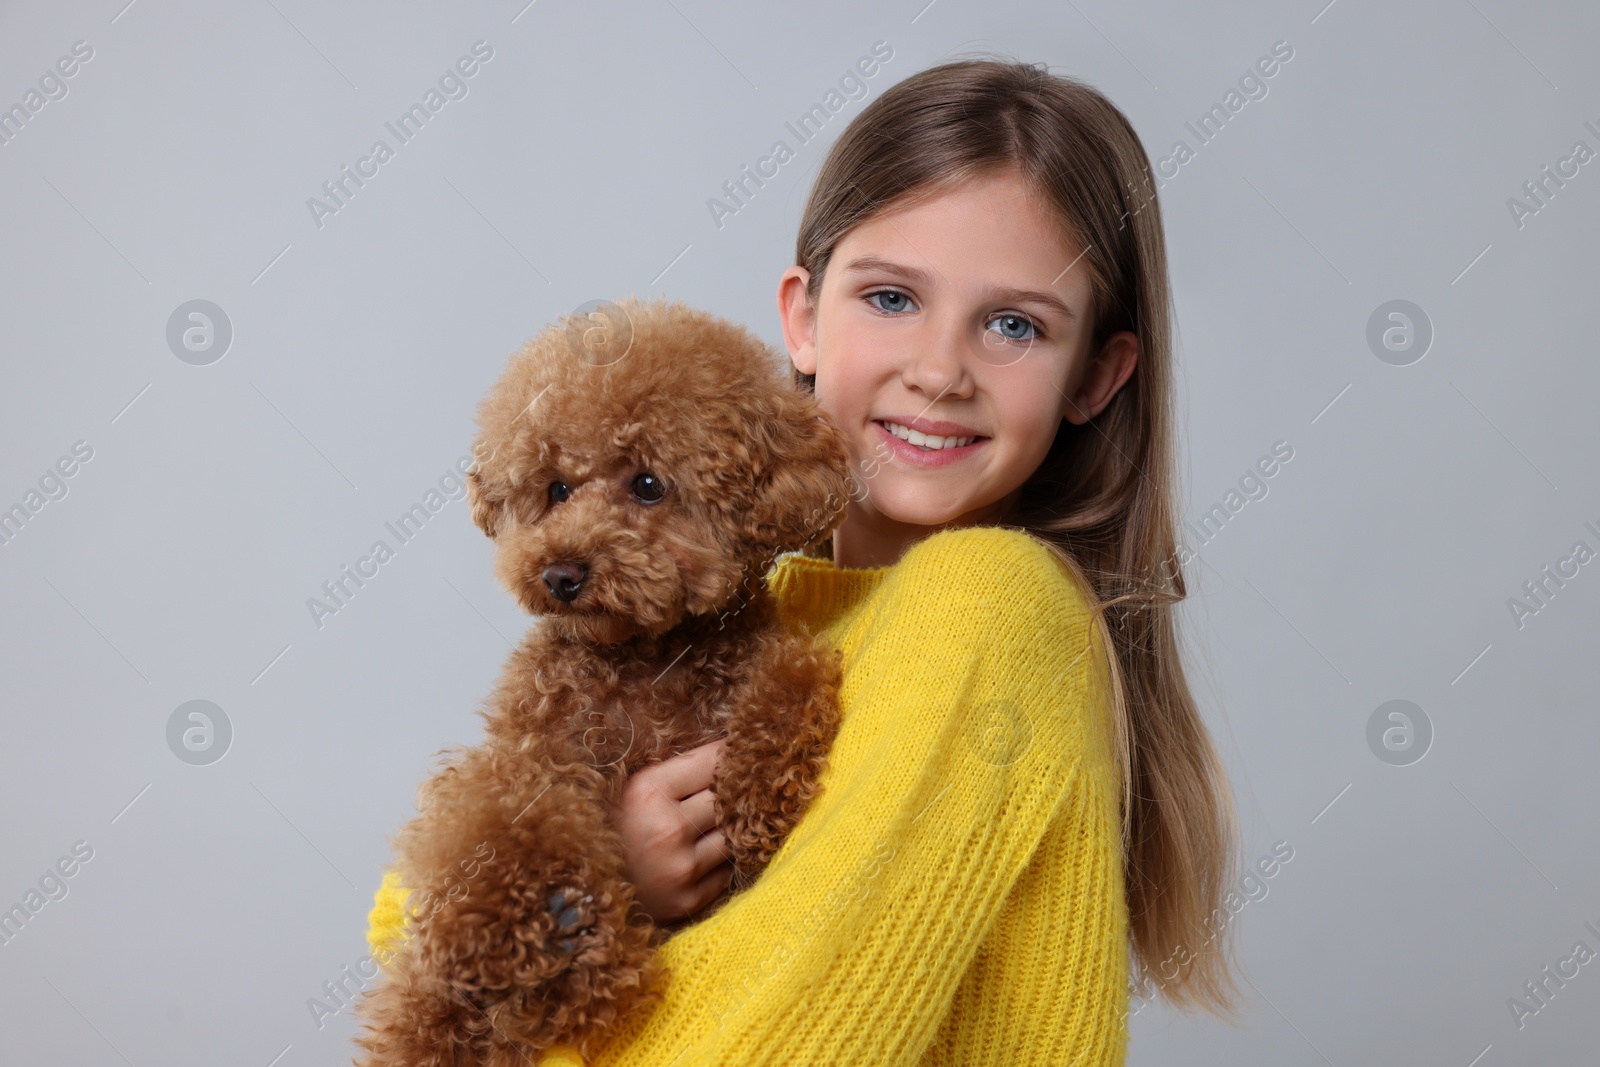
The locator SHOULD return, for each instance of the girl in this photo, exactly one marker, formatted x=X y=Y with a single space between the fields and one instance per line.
x=1022 y=795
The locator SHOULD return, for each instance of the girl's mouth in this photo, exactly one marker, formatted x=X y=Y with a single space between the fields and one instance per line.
x=927 y=451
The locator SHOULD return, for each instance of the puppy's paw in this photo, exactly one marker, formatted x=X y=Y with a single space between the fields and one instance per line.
x=574 y=916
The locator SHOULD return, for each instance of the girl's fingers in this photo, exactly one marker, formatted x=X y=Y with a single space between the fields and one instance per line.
x=714 y=882
x=700 y=810
x=711 y=847
x=687 y=772
x=710 y=855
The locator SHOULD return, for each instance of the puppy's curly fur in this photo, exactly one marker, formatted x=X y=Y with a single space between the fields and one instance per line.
x=638 y=472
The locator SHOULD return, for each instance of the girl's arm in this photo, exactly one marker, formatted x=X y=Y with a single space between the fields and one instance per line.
x=972 y=719
x=1050 y=985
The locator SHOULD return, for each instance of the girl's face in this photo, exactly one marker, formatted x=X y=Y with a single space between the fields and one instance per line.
x=965 y=317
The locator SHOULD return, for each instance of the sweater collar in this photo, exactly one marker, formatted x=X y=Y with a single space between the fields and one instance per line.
x=818 y=590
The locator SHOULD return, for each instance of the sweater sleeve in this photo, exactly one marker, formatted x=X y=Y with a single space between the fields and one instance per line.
x=973 y=714
x=1050 y=985
x=969 y=703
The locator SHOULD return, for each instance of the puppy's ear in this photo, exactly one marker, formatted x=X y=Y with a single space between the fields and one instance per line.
x=803 y=497
x=486 y=511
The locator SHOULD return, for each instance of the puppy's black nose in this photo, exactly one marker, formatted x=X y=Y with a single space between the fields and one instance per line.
x=565 y=579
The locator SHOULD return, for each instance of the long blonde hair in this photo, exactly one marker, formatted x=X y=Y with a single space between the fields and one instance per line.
x=1103 y=499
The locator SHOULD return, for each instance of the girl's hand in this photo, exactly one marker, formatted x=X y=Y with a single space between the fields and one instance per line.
x=676 y=857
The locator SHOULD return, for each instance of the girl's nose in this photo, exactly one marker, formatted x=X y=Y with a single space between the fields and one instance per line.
x=941 y=363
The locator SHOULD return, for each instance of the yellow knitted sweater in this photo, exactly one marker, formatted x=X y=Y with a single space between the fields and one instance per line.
x=955 y=894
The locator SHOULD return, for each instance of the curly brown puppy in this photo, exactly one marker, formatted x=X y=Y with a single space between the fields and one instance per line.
x=638 y=472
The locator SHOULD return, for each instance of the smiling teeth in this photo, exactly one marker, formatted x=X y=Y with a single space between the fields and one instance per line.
x=910 y=436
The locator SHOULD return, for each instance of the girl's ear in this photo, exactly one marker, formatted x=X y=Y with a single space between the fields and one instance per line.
x=799 y=319
x=1107 y=372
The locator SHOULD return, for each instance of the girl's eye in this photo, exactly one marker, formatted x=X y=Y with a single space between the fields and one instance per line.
x=893 y=295
x=559 y=492
x=648 y=488
x=1017 y=322
x=892 y=300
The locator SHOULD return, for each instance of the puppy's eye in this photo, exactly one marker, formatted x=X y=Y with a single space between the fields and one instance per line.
x=559 y=492
x=649 y=489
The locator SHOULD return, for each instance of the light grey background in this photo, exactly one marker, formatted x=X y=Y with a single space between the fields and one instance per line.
x=219 y=498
